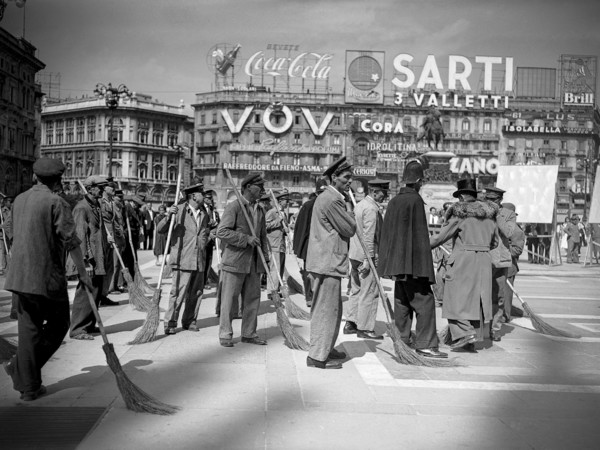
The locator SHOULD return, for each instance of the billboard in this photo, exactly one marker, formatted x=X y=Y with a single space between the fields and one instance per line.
x=536 y=82
x=364 y=77
x=578 y=80
x=595 y=205
x=531 y=189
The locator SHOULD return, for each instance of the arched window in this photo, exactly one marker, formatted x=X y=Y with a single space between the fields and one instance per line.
x=466 y=125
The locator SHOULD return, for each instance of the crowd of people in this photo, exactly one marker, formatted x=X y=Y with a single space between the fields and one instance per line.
x=55 y=235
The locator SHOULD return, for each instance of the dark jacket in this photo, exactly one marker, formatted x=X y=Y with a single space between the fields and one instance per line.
x=404 y=249
x=234 y=232
x=90 y=230
x=302 y=229
x=44 y=231
x=517 y=242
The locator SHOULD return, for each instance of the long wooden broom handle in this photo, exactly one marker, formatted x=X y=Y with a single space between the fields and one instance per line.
x=216 y=240
x=382 y=294
x=258 y=247
x=4 y=233
x=171 y=225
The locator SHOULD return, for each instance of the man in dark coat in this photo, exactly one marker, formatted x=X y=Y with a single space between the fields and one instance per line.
x=405 y=254
x=214 y=219
x=44 y=231
x=132 y=223
x=301 y=235
x=111 y=263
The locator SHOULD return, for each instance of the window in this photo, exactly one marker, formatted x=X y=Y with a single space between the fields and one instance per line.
x=257 y=138
x=487 y=145
x=295 y=180
x=213 y=138
x=142 y=170
x=236 y=116
x=466 y=125
x=157 y=172
x=214 y=118
x=143 y=136
x=296 y=138
x=562 y=185
x=336 y=139
x=202 y=119
x=201 y=139
x=276 y=159
x=563 y=145
x=336 y=120
x=546 y=142
x=487 y=126
x=157 y=138
x=234 y=158
x=276 y=179
x=446 y=125
x=296 y=160
x=256 y=118
x=406 y=123
x=297 y=119
x=256 y=159
x=563 y=162
x=317 y=140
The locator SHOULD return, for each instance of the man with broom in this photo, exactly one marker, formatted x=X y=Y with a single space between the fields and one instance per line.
x=364 y=296
x=331 y=228
x=405 y=255
x=109 y=216
x=276 y=238
x=241 y=265
x=187 y=258
x=44 y=231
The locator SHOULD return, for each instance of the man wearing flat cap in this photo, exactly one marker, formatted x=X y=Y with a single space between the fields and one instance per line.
x=109 y=216
x=516 y=245
x=405 y=255
x=91 y=231
x=362 y=303
x=331 y=228
x=301 y=236
x=187 y=258
x=276 y=235
x=501 y=259
x=241 y=264
x=44 y=231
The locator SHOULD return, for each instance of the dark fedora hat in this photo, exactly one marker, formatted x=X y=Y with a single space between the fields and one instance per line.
x=467 y=186
x=413 y=172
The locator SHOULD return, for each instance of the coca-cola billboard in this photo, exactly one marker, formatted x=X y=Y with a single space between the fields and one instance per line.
x=307 y=65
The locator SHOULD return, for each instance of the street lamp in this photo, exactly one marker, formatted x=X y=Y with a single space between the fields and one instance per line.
x=112 y=96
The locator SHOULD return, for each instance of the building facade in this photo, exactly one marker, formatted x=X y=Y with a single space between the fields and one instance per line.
x=151 y=141
x=20 y=108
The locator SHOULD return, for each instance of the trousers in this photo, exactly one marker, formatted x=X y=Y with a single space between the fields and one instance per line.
x=362 y=302
x=232 y=285
x=499 y=287
x=82 y=316
x=415 y=297
x=277 y=263
x=461 y=328
x=326 y=315
x=43 y=323
x=187 y=287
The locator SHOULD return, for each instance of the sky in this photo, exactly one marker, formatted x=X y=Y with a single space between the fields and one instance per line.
x=160 y=47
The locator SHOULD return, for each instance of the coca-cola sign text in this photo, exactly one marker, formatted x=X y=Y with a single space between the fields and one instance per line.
x=304 y=65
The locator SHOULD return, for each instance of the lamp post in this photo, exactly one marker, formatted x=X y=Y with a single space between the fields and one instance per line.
x=112 y=96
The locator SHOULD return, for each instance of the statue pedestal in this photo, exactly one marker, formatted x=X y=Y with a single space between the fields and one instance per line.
x=439 y=184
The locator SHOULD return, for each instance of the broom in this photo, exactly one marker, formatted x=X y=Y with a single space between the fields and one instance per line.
x=136 y=297
x=404 y=353
x=135 y=399
x=139 y=279
x=148 y=331
x=293 y=339
x=8 y=349
x=538 y=323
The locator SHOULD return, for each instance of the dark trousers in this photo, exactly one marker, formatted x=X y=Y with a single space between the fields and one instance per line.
x=499 y=288
x=208 y=262
x=109 y=266
x=82 y=316
x=573 y=251
x=414 y=296
x=43 y=323
x=233 y=285
x=128 y=257
x=148 y=239
x=307 y=282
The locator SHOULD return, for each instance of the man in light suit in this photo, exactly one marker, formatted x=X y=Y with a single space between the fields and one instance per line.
x=187 y=258
x=331 y=228
x=362 y=303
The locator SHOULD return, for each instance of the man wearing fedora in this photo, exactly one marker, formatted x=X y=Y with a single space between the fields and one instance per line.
x=241 y=263
x=404 y=254
x=189 y=238
x=506 y=221
x=573 y=240
x=364 y=295
x=467 y=304
x=331 y=228
x=276 y=236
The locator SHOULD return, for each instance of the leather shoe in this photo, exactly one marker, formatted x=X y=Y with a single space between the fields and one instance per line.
x=335 y=354
x=463 y=341
x=192 y=327
x=431 y=353
x=169 y=330
x=254 y=340
x=226 y=342
x=92 y=330
x=494 y=336
x=369 y=335
x=350 y=327
x=329 y=364
x=33 y=395
x=470 y=348
x=105 y=301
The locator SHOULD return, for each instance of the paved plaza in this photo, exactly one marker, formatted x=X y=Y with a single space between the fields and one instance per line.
x=526 y=391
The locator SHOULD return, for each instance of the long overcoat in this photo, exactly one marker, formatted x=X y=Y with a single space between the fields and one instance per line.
x=468 y=279
x=331 y=228
x=302 y=229
x=234 y=232
x=368 y=222
x=188 y=240
x=90 y=230
x=404 y=247
x=275 y=231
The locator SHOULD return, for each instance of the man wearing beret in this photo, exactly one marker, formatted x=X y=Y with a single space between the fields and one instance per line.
x=187 y=258
x=301 y=236
x=91 y=231
x=276 y=237
x=241 y=264
x=506 y=221
x=362 y=303
x=44 y=231
x=331 y=228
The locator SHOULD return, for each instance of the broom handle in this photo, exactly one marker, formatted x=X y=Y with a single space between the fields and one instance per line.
x=286 y=227
x=130 y=238
x=216 y=240
x=171 y=225
x=258 y=247
x=384 y=298
x=4 y=233
x=96 y=313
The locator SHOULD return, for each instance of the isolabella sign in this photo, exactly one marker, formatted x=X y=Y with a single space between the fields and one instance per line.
x=460 y=69
x=531 y=129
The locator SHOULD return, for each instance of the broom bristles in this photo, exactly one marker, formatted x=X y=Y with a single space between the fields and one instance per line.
x=141 y=282
x=295 y=285
x=292 y=338
x=291 y=309
x=137 y=298
x=148 y=331
x=135 y=398
x=407 y=356
x=544 y=327
x=8 y=349
x=516 y=312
